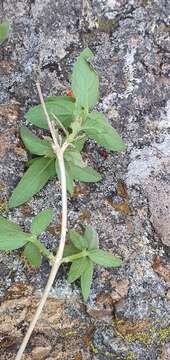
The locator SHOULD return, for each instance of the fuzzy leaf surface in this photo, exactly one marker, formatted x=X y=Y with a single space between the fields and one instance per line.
x=76 y=269
x=41 y=221
x=32 y=181
x=85 y=82
x=77 y=239
x=11 y=236
x=4 y=31
x=33 y=143
x=86 y=279
x=104 y=258
x=85 y=174
x=32 y=255
x=69 y=250
x=61 y=106
x=91 y=237
x=97 y=127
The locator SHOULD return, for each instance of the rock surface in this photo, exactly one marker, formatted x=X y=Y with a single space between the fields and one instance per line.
x=129 y=208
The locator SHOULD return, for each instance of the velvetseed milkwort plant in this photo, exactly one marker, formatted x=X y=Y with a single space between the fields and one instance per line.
x=71 y=122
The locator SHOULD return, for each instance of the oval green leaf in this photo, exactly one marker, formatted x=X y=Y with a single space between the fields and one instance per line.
x=76 y=269
x=91 y=237
x=86 y=279
x=41 y=221
x=77 y=240
x=32 y=255
x=33 y=180
x=61 y=106
x=11 y=236
x=104 y=258
x=85 y=82
x=97 y=127
x=85 y=174
x=34 y=144
x=4 y=31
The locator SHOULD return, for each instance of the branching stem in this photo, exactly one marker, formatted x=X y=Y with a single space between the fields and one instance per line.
x=59 y=255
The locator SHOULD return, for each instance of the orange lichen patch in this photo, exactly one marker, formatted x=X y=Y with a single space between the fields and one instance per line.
x=3 y=205
x=18 y=290
x=6 y=66
x=127 y=328
x=87 y=338
x=122 y=189
x=120 y=289
x=80 y=190
x=103 y=307
x=54 y=229
x=26 y=209
x=2 y=186
x=122 y=207
x=20 y=151
x=161 y=269
x=85 y=215
x=10 y=112
x=78 y=356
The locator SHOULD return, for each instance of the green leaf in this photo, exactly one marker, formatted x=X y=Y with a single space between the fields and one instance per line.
x=34 y=144
x=69 y=179
x=91 y=237
x=11 y=236
x=74 y=156
x=76 y=269
x=86 y=279
x=85 y=174
x=104 y=258
x=4 y=31
x=60 y=106
x=32 y=181
x=98 y=128
x=79 y=143
x=69 y=250
x=41 y=221
x=32 y=255
x=77 y=240
x=85 y=82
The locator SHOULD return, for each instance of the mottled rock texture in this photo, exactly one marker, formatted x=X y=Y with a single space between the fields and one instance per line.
x=131 y=42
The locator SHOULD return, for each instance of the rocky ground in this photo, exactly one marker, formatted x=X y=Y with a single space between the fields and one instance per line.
x=128 y=312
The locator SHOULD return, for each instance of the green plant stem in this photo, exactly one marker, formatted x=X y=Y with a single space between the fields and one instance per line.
x=75 y=256
x=43 y=250
x=58 y=258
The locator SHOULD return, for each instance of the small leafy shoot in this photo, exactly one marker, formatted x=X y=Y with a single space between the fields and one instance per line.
x=74 y=124
x=84 y=252
x=12 y=237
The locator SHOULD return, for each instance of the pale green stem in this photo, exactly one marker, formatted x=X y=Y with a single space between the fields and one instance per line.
x=70 y=258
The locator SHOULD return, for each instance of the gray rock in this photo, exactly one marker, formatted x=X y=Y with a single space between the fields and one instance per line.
x=130 y=40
